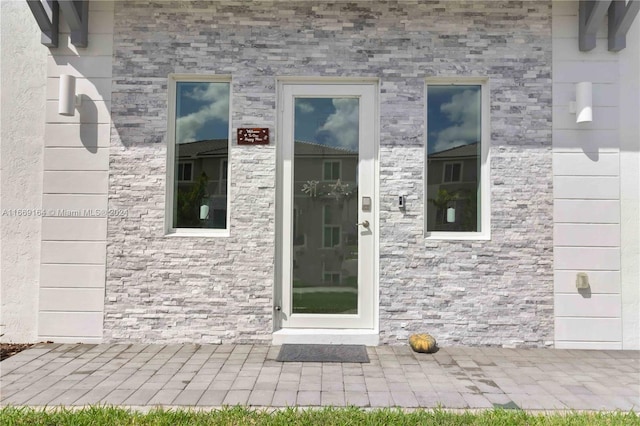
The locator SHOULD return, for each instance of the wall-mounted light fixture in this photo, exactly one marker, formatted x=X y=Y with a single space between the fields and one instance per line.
x=582 y=107
x=582 y=281
x=204 y=209
x=67 y=99
x=451 y=215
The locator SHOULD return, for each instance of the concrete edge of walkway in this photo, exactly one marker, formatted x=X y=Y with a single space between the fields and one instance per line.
x=144 y=409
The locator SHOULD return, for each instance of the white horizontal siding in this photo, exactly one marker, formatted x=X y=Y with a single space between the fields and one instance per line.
x=74 y=202
x=89 y=136
x=576 y=71
x=95 y=88
x=587 y=187
x=585 y=140
x=76 y=159
x=604 y=95
x=74 y=252
x=586 y=211
x=74 y=182
x=600 y=282
x=74 y=228
x=589 y=329
x=71 y=324
x=73 y=340
x=97 y=66
x=89 y=111
x=586 y=169
x=101 y=21
x=580 y=164
x=74 y=275
x=604 y=118
x=586 y=235
x=569 y=47
x=564 y=8
x=563 y=26
x=596 y=346
x=100 y=45
x=71 y=299
x=594 y=306
x=587 y=258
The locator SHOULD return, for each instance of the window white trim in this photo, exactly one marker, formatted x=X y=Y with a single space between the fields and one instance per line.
x=485 y=144
x=172 y=81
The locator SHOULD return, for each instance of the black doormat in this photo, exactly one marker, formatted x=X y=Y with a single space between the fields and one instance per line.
x=323 y=353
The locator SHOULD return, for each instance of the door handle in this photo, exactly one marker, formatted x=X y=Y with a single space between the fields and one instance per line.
x=364 y=223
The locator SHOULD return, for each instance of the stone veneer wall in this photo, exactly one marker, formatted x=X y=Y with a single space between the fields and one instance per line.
x=176 y=289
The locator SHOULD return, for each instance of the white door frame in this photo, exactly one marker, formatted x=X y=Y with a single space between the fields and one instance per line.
x=303 y=328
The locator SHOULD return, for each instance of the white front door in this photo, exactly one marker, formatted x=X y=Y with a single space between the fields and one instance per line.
x=328 y=206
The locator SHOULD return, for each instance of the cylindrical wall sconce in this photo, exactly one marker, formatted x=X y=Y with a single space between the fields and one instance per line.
x=584 y=102
x=204 y=211
x=67 y=95
x=451 y=215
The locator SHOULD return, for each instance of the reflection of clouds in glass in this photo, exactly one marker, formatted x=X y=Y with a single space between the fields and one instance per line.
x=464 y=113
x=304 y=107
x=341 y=128
x=214 y=98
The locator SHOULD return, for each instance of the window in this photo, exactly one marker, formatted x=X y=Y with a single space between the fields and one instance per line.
x=332 y=278
x=197 y=155
x=457 y=182
x=331 y=233
x=331 y=169
x=224 y=170
x=185 y=171
x=452 y=172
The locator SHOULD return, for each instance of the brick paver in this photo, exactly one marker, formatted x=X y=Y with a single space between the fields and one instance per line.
x=216 y=375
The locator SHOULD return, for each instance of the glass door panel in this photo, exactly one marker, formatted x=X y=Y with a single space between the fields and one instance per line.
x=325 y=205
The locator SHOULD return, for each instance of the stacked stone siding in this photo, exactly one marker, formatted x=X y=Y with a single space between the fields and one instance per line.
x=220 y=289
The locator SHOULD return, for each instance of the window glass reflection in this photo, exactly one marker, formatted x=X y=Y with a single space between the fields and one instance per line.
x=325 y=240
x=201 y=155
x=453 y=157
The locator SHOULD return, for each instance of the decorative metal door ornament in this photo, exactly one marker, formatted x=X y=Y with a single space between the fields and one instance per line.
x=311 y=188
x=339 y=190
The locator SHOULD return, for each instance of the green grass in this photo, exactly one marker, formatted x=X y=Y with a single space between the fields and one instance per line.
x=324 y=302
x=326 y=417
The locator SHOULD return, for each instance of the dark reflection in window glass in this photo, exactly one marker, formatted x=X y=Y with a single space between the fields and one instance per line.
x=201 y=155
x=453 y=157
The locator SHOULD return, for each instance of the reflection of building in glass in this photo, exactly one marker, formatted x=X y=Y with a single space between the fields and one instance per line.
x=201 y=181
x=453 y=183
x=453 y=157
x=325 y=241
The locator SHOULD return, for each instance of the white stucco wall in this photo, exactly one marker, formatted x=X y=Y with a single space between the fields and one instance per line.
x=596 y=187
x=23 y=65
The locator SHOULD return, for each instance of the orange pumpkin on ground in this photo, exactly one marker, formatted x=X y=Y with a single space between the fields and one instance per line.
x=424 y=343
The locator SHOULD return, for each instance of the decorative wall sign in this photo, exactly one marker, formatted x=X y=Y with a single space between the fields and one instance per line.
x=257 y=136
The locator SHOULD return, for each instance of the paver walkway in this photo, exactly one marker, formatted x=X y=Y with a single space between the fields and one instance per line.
x=212 y=376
